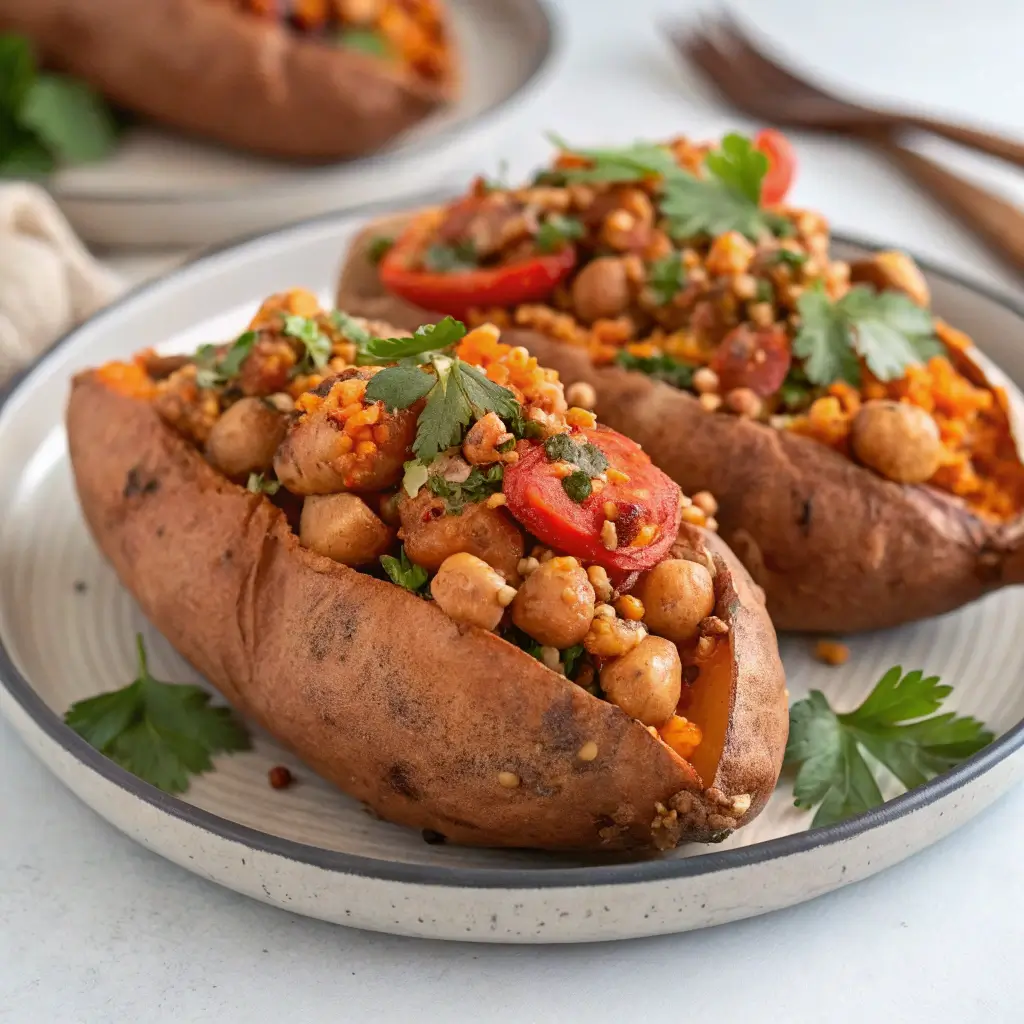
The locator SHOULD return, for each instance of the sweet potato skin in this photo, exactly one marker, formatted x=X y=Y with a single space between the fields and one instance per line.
x=836 y=548
x=416 y=722
x=205 y=69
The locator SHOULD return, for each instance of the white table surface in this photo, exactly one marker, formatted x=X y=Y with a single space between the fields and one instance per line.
x=95 y=929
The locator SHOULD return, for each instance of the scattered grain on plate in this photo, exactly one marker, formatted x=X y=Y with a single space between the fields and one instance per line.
x=280 y=777
x=831 y=652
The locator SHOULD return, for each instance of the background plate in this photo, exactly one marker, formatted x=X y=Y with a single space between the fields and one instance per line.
x=66 y=629
x=161 y=189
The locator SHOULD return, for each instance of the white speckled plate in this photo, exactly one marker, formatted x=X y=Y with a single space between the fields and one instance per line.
x=160 y=189
x=66 y=630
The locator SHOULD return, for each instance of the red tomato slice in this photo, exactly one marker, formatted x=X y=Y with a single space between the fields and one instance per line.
x=535 y=496
x=781 y=165
x=528 y=280
x=752 y=357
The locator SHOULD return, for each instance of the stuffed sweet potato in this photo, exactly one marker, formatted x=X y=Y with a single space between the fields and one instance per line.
x=463 y=602
x=311 y=80
x=860 y=450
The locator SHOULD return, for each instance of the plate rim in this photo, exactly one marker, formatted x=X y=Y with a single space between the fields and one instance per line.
x=510 y=878
x=552 y=45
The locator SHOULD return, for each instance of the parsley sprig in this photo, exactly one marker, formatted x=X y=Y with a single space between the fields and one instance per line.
x=587 y=460
x=557 y=232
x=660 y=367
x=896 y=727
x=666 y=278
x=162 y=732
x=886 y=329
x=405 y=573
x=212 y=371
x=317 y=345
x=477 y=487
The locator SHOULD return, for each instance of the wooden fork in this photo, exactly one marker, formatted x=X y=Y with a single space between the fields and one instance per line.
x=758 y=85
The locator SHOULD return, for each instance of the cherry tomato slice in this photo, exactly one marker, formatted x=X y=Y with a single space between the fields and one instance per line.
x=528 y=280
x=753 y=357
x=536 y=498
x=781 y=165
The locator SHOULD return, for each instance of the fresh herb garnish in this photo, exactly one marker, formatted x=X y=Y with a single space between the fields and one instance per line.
x=578 y=486
x=428 y=341
x=46 y=119
x=403 y=572
x=666 y=278
x=661 y=367
x=477 y=487
x=630 y=163
x=571 y=659
x=796 y=392
x=582 y=454
x=765 y=292
x=739 y=166
x=350 y=328
x=892 y=726
x=317 y=345
x=364 y=40
x=789 y=257
x=259 y=484
x=211 y=371
x=886 y=329
x=161 y=732
x=379 y=247
x=450 y=259
x=557 y=231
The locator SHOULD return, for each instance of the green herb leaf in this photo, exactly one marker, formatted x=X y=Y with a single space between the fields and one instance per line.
x=739 y=166
x=557 y=231
x=581 y=454
x=414 y=478
x=789 y=257
x=485 y=396
x=796 y=392
x=450 y=259
x=428 y=340
x=69 y=118
x=350 y=328
x=17 y=73
x=231 y=365
x=477 y=487
x=765 y=292
x=661 y=367
x=571 y=658
x=365 y=41
x=892 y=726
x=445 y=416
x=666 y=278
x=22 y=154
x=403 y=572
x=577 y=485
x=398 y=387
x=258 y=484
x=318 y=345
x=889 y=331
x=162 y=732
x=630 y=163
x=379 y=247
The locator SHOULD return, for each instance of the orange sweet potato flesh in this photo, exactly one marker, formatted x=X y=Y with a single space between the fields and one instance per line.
x=418 y=722
x=836 y=548
x=208 y=70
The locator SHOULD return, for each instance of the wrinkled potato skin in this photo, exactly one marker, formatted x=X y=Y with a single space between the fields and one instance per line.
x=430 y=535
x=245 y=437
x=417 y=722
x=211 y=71
x=836 y=548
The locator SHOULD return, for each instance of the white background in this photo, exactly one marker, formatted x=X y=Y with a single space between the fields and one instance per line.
x=94 y=929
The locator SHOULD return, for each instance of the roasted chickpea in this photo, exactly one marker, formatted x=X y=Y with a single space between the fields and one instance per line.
x=601 y=290
x=431 y=534
x=468 y=590
x=646 y=682
x=555 y=605
x=676 y=595
x=611 y=637
x=483 y=440
x=243 y=440
x=893 y=271
x=342 y=527
x=897 y=440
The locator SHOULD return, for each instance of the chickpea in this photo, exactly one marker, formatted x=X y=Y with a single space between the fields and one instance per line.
x=611 y=637
x=243 y=440
x=468 y=590
x=677 y=594
x=601 y=290
x=342 y=527
x=431 y=535
x=899 y=441
x=555 y=605
x=744 y=402
x=893 y=271
x=581 y=395
x=483 y=439
x=705 y=381
x=646 y=682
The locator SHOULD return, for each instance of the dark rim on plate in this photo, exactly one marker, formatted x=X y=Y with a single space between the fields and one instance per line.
x=549 y=39
x=655 y=870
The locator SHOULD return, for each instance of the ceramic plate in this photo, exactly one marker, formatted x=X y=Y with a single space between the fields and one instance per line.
x=161 y=189
x=67 y=626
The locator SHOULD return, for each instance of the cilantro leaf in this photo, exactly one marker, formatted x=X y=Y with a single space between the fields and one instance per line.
x=258 y=484
x=445 y=416
x=892 y=726
x=705 y=206
x=485 y=396
x=578 y=486
x=571 y=658
x=661 y=367
x=477 y=487
x=403 y=572
x=796 y=392
x=426 y=341
x=350 y=328
x=317 y=345
x=557 y=231
x=398 y=387
x=823 y=341
x=212 y=371
x=585 y=456
x=789 y=257
x=666 y=278
x=630 y=163
x=69 y=118
x=162 y=732
x=231 y=364
x=364 y=40
x=450 y=259
x=738 y=165
x=17 y=72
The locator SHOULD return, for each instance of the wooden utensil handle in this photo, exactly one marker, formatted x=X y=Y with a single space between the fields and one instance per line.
x=1005 y=149
x=999 y=223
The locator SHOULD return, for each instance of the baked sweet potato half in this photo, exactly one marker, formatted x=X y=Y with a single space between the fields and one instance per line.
x=376 y=581
x=314 y=80
x=861 y=451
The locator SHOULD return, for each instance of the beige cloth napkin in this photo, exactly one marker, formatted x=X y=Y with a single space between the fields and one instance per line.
x=48 y=280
